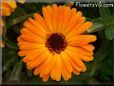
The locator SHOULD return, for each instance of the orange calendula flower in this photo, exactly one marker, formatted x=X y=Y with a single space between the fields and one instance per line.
x=8 y=6
x=54 y=45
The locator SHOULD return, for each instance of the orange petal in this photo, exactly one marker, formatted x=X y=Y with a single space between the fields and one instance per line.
x=53 y=70
x=26 y=52
x=45 y=78
x=86 y=58
x=29 y=68
x=81 y=51
x=34 y=54
x=52 y=74
x=19 y=38
x=37 y=70
x=2 y=24
x=28 y=32
x=68 y=14
x=41 y=58
x=45 y=65
x=40 y=19
x=60 y=18
x=75 y=71
x=32 y=39
x=34 y=29
x=50 y=64
x=47 y=12
x=58 y=69
x=84 y=27
x=74 y=10
x=5 y=11
x=66 y=18
x=23 y=41
x=79 y=29
x=76 y=59
x=80 y=54
x=66 y=62
x=81 y=40
x=79 y=23
x=73 y=21
x=37 y=25
x=12 y=3
x=88 y=47
x=75 y=65
x=30 y=46
x=54 y=17
x=66 y=75
x=23 y=53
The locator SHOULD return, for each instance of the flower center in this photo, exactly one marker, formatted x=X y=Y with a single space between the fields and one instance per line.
x=56 y=42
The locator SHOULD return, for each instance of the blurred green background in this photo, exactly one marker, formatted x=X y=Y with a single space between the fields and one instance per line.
x=100 y=70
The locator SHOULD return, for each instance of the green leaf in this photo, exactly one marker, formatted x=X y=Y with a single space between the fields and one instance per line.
x=109 y=30
x=18 y=12
x=18 y=20
x=102 y=52
x=16 y=71
x=104 y=11
x=9 y=43
x=8 y=54
x=105 y=75
x=8 y=64
x=101 y=23
x=96 y=27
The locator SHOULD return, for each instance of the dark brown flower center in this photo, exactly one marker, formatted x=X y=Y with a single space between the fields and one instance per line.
x=56 y=42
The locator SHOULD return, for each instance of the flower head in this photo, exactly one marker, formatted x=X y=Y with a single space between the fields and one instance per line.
x=8 y=6
x=55 y=45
